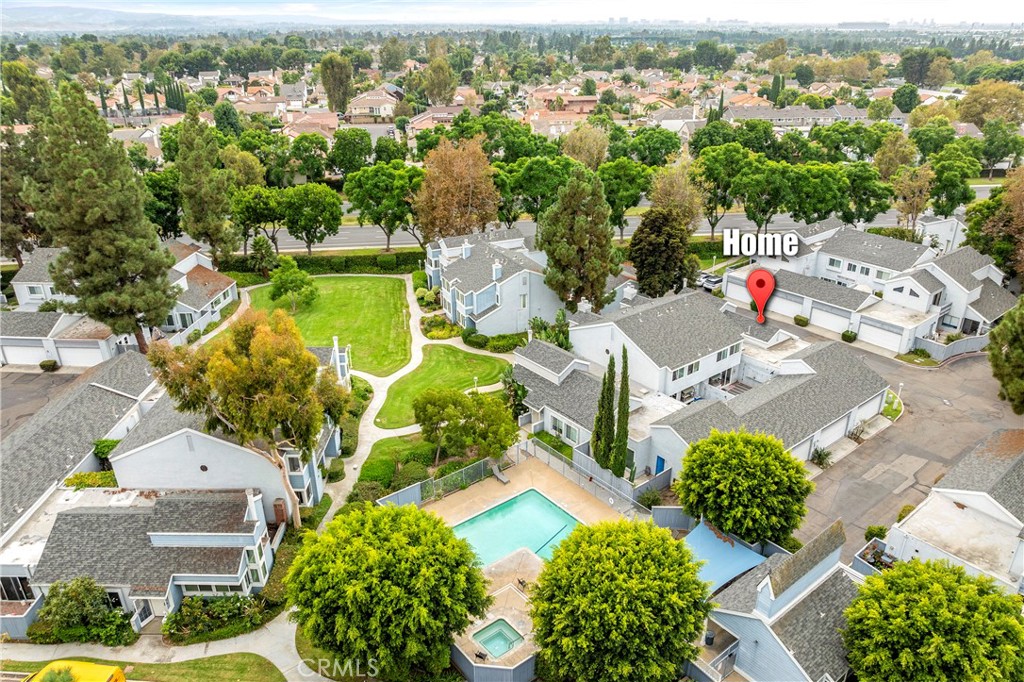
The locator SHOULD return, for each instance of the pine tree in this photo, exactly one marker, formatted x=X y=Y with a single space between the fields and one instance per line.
x=92 y=206
x=621 y=444
x=204 y=186
x=577 y=238
x=607 y=424
x=597 y=444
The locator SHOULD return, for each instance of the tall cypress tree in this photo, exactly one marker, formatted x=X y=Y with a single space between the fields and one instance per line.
x=577 y=238
x=597 y=444
x=204 y=187
x=605 y=420
x=91 y=204
x=621 y=444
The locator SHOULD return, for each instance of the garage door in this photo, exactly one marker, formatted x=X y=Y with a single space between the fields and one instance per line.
x=822 y=318
x=783 y=306
x=869 y=409
x=833 y=432
x=79 y=357
x=23 y=355
x=869 y=333
x=736 y=290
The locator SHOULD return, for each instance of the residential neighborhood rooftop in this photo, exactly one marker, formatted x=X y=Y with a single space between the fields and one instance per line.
x=37 y=266
x=875 y=249
x=996 y=467
x=961 y=265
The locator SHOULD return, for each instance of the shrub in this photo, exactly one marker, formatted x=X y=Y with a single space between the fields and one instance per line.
x=51 y=306
x=420 y=293
x=419 y=280
x=921 y=353
x=387 y=262
x=41 y=632
x=904 y=512
x=246 y=279
x=791 y=544
x=454 y=465
x=211 y=326
x=875 y=532
x=197 y=618
x=103 y=447
x=505 y=343
x=476 y=340
x=381 y=470
x=800 y=321
x=430 y=297
x=78 y=611
x=410 y=473
x=821 y=457
x=466 y=333
x=953 y=337
x=649 y=498
x=312 y=516
x=336 y=471
x=849 y=336
x=718 y=293
x=194 y=335
x=753 y=306
x=49 y=365
x=438 y=327
x=394 y=263
x=91 y=479
x=367 y=491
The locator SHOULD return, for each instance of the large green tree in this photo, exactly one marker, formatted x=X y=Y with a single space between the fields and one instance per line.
x=456 y=422
x=309 y=155
x=763 y=187
x=1006 y=355
x=383 y=195
x=933 y=136
x=439 y=82
x=576 y=236
x=19 y=231
x=659 y=250
x=311 y=213
x=894 y=151
x=654 y=146
x=620 y=446
x=257 y=208
x=933 y=622
x=27 y=92
x=906 y=98
x=91 y=204
x=602 y=437
x=618 y=601
x=257 y=383
x=816 y=191
x=744 y=483
x=625 y=183
x=350 y=150
x=204 y=186
x=951 y=189
x=389 y=584
x=293 y=284
x=715 y=170
x=674 y=188
x=1002 y=140
x=336 y=75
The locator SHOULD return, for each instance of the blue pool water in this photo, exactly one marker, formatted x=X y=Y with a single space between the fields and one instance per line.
x=498 y=638
x=529 y=520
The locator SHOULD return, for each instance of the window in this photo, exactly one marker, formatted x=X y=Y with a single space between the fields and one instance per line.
x=722 y=355
x=898 y=290
x=522 y=301
x=936 y=298
x=35 y=291
x=459 y=296
x=914 y=294
x=686 y=371
x=734 y=349
x=851 y=267
x=186 y=319
x=170 y=321
x=254 y=575
x=15 y=589
x=557 y=425
x=294 y=464
x=572 y=434
x=883 y=275
x=250 y=556
x=53 y=291
x=835 y=263
x=865 y=270
x=114 y=600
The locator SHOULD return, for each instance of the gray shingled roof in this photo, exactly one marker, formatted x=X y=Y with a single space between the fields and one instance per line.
x=28 y=325
x=762 y=332
x=476 y=272
x=995 y=466
x=830 y=223
x=54 y=440
x=874 y=249
x=961 y=265
x=204 y=285
x=547 y=355
x=993 y=301
x=576 y=397
x=791 y=407
x=37 y=266
x=927 y=280
x=810 y=629
x=796 y=566
x=676 y=330
x=741 y=595
x=112 y=545
x=163 y=419
x=820 y=290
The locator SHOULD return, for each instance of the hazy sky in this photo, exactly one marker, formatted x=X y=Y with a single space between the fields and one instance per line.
x=487 y=11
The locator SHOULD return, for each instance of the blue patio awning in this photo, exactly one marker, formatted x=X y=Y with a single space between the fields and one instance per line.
x=723 y=557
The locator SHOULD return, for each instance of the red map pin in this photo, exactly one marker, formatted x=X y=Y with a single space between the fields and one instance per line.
x=760 y=284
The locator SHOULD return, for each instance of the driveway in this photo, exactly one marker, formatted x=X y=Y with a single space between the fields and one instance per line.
x=948 y=410
x=24 y=394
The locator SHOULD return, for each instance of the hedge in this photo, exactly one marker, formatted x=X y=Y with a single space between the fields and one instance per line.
x=402 y=262
x=419 y=279
x=49 y=365
x=849 y=336
x=91 y=479
x=800 y=321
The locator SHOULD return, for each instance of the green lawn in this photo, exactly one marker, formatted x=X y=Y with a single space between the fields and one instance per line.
x=893 y=406
x=912 y=359
x=973 y=182
x=368 y=312
x=442 y=367
x=228 y=668
x=381 y=463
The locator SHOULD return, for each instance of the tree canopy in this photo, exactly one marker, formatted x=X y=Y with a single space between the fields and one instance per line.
x=1006 y=355
x=659 y=250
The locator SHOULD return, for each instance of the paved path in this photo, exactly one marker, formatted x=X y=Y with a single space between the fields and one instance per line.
x=275 y=641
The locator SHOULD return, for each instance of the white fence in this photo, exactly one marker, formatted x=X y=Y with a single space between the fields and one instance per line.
x=944 y=351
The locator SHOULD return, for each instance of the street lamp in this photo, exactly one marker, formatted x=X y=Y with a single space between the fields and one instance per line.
x=899 y=391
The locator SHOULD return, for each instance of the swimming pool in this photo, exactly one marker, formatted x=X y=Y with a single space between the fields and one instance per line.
x=498 y=638
x=529 y=520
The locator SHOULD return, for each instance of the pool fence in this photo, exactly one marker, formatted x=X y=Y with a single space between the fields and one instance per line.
x=436 y=488
x=475 y=671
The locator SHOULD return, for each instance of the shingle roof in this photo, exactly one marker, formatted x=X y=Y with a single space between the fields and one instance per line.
x=875 y=249
x=676 y=330
x=927 y=280
x=576 y=397
x=204 y=285
x=547 y=355
x=791 y=407
x=28 y=325
x=54 y=440
x=995 y=466
x=476 y=272
x=993 y=301
x=796 y=566
x=37 y=266
x=741 y=595
x=112 y=544
x=163 y=419
x=811 y=628
x=763 y=332
x=180 y=250
x=961 y=265
x=830 y=223
x=848 y=298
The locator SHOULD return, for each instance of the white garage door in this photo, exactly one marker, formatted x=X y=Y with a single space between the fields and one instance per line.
x=869 y=409
x=23 y=355
x=869 y=333
x=783 y=306
x=736 y=290
x=836 y=323
x=833 y=432
x=79 y=357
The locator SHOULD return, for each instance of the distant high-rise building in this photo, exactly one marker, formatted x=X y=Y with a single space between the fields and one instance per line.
x=623 y=20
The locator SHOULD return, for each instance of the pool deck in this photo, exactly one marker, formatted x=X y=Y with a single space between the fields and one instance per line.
x=458 y=507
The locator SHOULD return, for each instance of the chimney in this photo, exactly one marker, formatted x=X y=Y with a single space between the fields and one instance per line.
x=628 y=292
x=584 y=306
x=496 y=270
x=467 y=249
x=280 y=513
